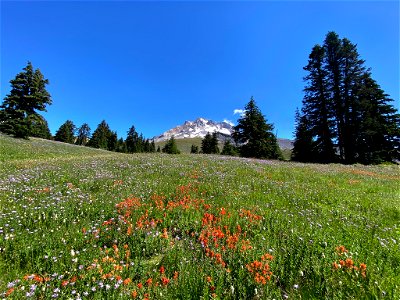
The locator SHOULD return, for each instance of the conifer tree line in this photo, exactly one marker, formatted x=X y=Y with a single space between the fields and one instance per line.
x=104 y=138
x=345 y=116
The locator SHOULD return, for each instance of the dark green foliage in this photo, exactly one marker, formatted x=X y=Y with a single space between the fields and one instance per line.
x=121 y=146
x=209 y=145
x=83 y=135
x=39 y=127
x=254 y=135
x=136 y=143
x=152 y=146
x=132 y=140
x=379 y=125
x=112 y=141
x=158 y=149
x=101 y=136
x=348 y=115
x=27 y=96
x=194 y=149
x=318 y=109
x=303 y=146
x=229 y=149
x=66 y=133
x=171 y=147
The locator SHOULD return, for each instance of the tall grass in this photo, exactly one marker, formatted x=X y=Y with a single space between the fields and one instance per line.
x=85 y=224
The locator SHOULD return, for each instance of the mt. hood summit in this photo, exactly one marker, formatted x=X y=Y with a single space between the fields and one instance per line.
x=197 y=128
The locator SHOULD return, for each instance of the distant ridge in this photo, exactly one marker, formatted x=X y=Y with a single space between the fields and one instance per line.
x=201 y=126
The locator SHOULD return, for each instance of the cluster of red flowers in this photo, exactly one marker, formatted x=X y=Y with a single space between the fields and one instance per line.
x=348 y=263
x=261 y=270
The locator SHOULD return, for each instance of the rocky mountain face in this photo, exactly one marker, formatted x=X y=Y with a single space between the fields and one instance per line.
x=200 y=127
x=197 y=128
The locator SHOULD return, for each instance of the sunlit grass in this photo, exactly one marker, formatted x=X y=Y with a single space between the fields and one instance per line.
x=80 y=223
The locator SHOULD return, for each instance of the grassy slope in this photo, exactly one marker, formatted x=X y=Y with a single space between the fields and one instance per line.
x=51 y=191
x=184 y=145
x=12 y=149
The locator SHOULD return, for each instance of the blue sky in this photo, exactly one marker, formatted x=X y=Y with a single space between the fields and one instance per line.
x=156 y=64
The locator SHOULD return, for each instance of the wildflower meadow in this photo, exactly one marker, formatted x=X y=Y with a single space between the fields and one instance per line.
x=81 y=223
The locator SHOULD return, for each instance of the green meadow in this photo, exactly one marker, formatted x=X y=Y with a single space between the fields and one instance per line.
x=81 y=223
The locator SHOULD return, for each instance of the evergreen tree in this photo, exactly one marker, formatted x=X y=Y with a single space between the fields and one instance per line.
x=121 y=146
x=194 y=149
x=100 y=137
x=209 y=144
x=152 y=146
x=83 y=135
x=28 y=95
x=229 y=149
x=344 y=69
x=378 y=137
x=254 y=135
x=112 y=141
x=66 y=133
x=319 y=108
x=158 y=149
x=134 y=141
x=348 y=115
x=146 y=146
x=39 y=127
x=171 y=147
x=303 y=146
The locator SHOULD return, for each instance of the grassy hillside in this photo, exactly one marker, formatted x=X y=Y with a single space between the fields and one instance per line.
x=97 y=225
x=184 y=145
x=35 y=148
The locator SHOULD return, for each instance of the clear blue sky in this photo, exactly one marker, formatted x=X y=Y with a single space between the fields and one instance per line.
x=156 y=64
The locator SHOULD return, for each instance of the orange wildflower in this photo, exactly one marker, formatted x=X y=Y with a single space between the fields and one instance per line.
x=176 y=274
x=164 y=280
x=149 y=281
x=341 y=250
x=335 y=265
x=162 y=270
x=9 y=292
x=134 y=294
x=127 y=281
x=349 y=263
x=64 y=283
x=164 y=235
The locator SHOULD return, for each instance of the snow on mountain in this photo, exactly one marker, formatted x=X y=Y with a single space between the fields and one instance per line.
x=200 y=127
x=197 y=128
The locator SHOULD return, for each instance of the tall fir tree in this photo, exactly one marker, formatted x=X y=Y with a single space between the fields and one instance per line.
x=121 y=146
x=112 y=141
x=39 y=127
x=303 y=146
x=254 y=136
x=378 y=137
x=170 y=147
x=209 y=144
x=83 y=135
x=132 y=141
x=100 y=136
x=152 y=146
x=194 y=149
x=318 y=108
x=28 y=95
x=66 y=133
x=349 y=116
x=229 y=149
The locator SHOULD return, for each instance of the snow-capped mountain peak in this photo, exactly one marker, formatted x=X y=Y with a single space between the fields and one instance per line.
x=197 y=128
